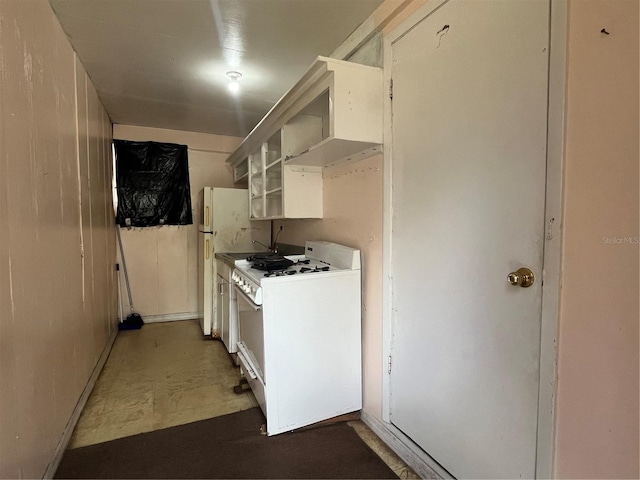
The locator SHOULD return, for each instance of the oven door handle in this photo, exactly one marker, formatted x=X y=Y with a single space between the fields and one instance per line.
x=247 y=299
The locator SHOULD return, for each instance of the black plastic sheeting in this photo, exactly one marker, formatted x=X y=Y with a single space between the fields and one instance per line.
x=152 y=184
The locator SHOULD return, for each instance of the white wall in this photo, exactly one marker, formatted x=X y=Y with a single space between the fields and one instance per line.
x=57 y=243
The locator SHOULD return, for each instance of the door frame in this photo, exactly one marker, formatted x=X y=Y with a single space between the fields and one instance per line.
x=552 y=254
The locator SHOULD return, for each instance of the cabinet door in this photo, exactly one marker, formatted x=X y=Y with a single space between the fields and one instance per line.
x=256 y=186
x=302 y=193
x=277 y=190
x=272 y=155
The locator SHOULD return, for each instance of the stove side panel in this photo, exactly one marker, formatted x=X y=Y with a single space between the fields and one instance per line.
x=313 y=353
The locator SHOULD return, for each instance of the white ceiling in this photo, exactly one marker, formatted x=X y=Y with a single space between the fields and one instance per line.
x=163 y=63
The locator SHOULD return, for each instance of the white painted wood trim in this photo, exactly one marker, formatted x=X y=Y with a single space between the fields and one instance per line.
x=387 y=271
x=171 y=317
x=412 y=20
x=360 y=35
x=58 y=453
x=375 y=23
x=402 y=445
x=552 y=260
x=552 y=251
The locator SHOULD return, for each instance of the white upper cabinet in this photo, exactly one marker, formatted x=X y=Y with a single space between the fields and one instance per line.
x=332 y=115
x=279 y=190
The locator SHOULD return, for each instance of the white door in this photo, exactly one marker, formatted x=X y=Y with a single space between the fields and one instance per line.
x=468 y=185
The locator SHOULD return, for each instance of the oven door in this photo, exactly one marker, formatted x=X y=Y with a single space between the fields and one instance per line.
x=251 y=345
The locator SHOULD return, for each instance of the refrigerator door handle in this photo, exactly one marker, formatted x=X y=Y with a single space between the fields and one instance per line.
x=206 y=216
x=206 y=249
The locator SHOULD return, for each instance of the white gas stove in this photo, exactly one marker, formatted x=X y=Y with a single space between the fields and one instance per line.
x=300 y=334
x=320 y=258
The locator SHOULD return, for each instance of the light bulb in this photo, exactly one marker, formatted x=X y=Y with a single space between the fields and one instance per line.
x=234 y=86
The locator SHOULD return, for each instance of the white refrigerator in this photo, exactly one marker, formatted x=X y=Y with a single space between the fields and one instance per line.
x=224 y=227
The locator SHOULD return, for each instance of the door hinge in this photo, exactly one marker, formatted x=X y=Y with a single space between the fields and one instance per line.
x=391 y=89
x=389 y=365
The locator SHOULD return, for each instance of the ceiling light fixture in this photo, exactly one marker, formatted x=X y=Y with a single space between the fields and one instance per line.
x=234 y=86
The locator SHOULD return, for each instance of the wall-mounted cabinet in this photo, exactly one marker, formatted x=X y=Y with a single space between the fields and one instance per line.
x=241 y=171
x=278 y=190
x=332 y=115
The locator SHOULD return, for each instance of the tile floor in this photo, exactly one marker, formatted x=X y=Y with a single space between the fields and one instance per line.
x=167 y=374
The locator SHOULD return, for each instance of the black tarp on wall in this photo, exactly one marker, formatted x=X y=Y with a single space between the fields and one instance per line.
x=152 y=184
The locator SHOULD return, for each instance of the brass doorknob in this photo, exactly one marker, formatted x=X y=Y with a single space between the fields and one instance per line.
x=523 y=277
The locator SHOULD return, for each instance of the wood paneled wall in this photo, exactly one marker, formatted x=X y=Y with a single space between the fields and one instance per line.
x=57 y=243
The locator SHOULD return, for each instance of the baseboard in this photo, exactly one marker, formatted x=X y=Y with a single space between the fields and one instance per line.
x=170 y=317
x=408 y=451
x=58 y=453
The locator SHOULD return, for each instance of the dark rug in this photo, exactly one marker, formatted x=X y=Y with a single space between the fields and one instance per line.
x=230 y=446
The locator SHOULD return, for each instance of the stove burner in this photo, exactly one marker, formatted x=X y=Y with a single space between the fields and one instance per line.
x=264 y=256
x=280 y=273
x=314 y=270
x=269 y=262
